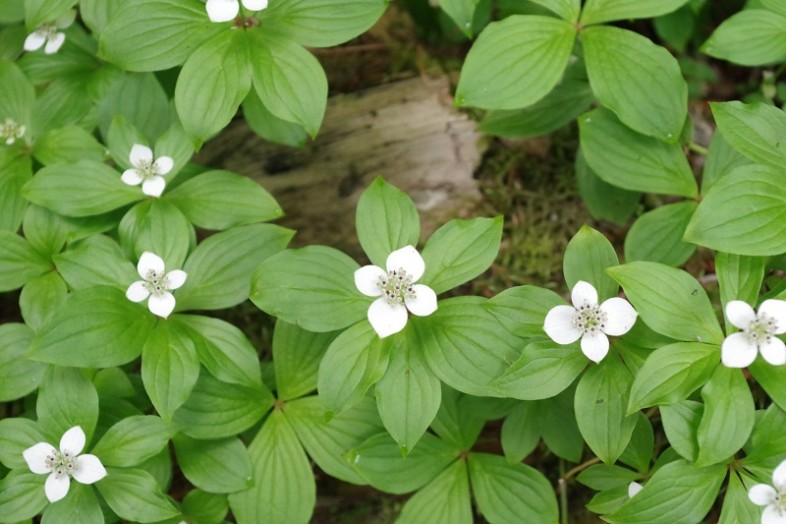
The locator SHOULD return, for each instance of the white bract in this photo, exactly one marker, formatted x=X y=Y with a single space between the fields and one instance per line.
x=10 y=131
x=226 y=10
x=147 y=170
x=634 y=488
x=395 y=286
x=589 y=321
x=156 y=285
x=64 y=463
x=756 y=335
x=773 y=498
x=48 y=34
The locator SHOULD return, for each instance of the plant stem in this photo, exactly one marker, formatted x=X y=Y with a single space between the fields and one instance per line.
x=563 y=494
x=696 y=148
x=578 y=469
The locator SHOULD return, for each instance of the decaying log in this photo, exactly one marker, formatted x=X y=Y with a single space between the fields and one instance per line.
x=406 y=132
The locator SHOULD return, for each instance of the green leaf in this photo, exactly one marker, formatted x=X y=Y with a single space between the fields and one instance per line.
x=464 y=345
x=46 y=231
x=325 y=441
x=217 y=466
x=543 y=370
x=67 y=145
x=304 y=20
x=728 y=416
x=14 y=174
x=587 y=256
x=681 y=424
x=569 y=98
x=289 y=80
x=498 y=75
x=19 y=262
x=82 y=189
x=522 y=309
x=96 y=327
x=676 y=28
x=296 y=357
x=558 y=427
x=657 y=235
x=97 y=13
x=408 y=396
x=21 y=495
x=213 y=82
x=66 y=399
x=81 y=505
x=379 y=461
x=737 y=506
x=721 y=159
x=270 y=127
x=604 y=201
x=39 y=11
x=18 y=94
x=678 y=493
x=386 y=220
x=671 y=373
x=312 y=287
x=220 y=200
x=140 y=100
x=155 y=35
x=16 y=435
x=752 y=37
x=12 y=11
x=217 y=409
x=284 y=490
x=520 y=432
x=511 y=492
x=638 y=80
x=95 y=261
x=566 y=9
x=40 y=297
x=743 y=213
x=601 y=399
x=638 y=454
x=597 y=11
x=134 y=494
x=739 y=277
x=633 y=161
x=445 y=500
x=601 y=477
x=219 y=268
x=354 y=362
x=669 y=300
x=462 y=12
x=457 y=422
x=754 y=130
x=18 y=375
x=159 y=227
x=767 y=440
x=170 y=368
x=205 y=507
x=459 y=251
x=222 y=348
x=132 y=441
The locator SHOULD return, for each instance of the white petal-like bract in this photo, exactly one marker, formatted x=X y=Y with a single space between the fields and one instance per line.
x=35 y=456
x=583 y=293
x=34 y=41
x=163 y=165
x=634 y=488
x=140 y=155
x=408 y=259
x=386 y=319
x=737 y=351
x=56 y=487
x=740 y=314
x=131 y=177
x=222 y=10
x=776 y=309
x=161 y=305
x=367 y=279
x=255 y=5
x=89 y=469
x=559 y=325
x=154 y=186
x=773 y=351
x=595 y=346
x=762 y=494
x=176 y=278
x=150 y=262
x=779 y=477
x=137 y=291
x=73 y=441
x=54 y=43
x=620 y=316
x=424 y=303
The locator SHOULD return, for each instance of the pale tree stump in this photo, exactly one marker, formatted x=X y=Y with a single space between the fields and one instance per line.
x=407 y=132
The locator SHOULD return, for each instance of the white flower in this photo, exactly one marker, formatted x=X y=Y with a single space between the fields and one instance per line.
x=156 y=285
x=147 y=171
x=396 y=290
x=589 y=321
x=757 y=334
x=226 y=10
x=48 y=34
x=10 y=131
x=773 y=498
x=634 y=488
x=64 y=463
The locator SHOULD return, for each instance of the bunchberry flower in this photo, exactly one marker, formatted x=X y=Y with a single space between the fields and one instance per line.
x=634 y=488
x=226 y=10
x=147 y=171
x=756 y=335
x=773 y=498
x=155 y=284
x=395 y=286
x=48 y=34
x=589 y=321
x=64 y=463
x=10 y=131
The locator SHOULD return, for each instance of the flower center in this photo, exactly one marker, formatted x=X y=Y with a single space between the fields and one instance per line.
x=156 y=283
x=589 y=318
x=146 y=169
x=396 y=286
x=760 y=330
x=61 y=463
x=780 y=503
x=10 y=131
